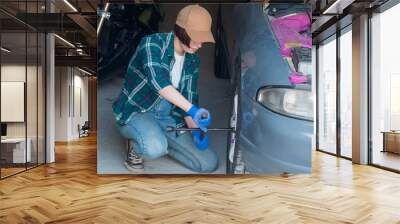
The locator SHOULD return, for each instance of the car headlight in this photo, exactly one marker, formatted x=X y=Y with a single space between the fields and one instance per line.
x=288 y=101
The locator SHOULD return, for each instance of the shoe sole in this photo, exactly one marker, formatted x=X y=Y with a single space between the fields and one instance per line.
x=138 y=169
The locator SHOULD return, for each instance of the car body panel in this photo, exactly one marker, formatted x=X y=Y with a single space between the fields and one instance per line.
x=277 y=144
x=269 y=142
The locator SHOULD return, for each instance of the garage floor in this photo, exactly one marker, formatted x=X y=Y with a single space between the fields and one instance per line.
x=214 y=95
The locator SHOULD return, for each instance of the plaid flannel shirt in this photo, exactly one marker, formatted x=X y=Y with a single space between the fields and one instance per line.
x=148 y=72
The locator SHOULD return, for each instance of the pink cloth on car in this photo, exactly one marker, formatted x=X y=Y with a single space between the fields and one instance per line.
x=298 y=22
x=297 y=78
x=287 y=31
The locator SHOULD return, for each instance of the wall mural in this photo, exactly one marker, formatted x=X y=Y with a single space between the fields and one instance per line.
x=204 y=89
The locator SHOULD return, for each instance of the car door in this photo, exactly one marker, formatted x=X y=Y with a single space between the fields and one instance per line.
x=275 y=117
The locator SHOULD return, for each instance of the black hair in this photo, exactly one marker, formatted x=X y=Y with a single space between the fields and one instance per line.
x=182 y=35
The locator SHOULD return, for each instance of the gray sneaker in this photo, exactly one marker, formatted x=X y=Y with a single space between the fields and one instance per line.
x=134 y=162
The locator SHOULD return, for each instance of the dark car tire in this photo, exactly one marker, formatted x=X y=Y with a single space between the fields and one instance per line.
x=233 y=137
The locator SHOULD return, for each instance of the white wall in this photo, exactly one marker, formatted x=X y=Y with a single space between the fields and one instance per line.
x=17 y=72
x=61 y=103
x=14 y=72
x=79 y=117
x=33 y=126
x=70 y=83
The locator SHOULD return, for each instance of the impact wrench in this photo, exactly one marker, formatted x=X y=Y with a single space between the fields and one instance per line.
x=170 y=129
x=202 y=133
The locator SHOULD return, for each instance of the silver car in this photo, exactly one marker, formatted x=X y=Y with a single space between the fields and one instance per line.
x=273 y=117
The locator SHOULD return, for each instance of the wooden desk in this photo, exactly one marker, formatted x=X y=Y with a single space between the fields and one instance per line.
x=16 y=147
x=391 y=141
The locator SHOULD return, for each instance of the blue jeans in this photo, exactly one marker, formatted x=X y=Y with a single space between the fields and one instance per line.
x=151 y=140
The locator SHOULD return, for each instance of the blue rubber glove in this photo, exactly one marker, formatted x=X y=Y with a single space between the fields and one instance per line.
x=201 y=143
x=200 y=116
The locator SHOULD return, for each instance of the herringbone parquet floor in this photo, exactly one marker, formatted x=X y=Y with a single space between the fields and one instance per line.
x=70 y=191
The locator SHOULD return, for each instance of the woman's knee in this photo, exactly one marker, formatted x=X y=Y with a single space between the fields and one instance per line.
x=144 y=130
x=155 y=148
x=209 y=162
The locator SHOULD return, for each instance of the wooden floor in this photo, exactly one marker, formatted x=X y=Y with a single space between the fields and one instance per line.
x=70 y=191
x=10 y=171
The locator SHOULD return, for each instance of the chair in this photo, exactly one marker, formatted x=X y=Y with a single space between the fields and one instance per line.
x=84 y=129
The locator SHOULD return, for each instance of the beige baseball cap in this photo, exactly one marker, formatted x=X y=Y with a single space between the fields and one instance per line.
x=197 y=22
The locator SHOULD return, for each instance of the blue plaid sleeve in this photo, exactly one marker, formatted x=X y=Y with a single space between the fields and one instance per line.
x=192 y=94
x=156 y=73
x=191 y=87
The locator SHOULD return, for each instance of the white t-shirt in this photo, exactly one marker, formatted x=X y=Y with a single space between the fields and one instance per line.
x=176 y=71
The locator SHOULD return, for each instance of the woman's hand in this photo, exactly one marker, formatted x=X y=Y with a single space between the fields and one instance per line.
x=201 y=143
x=190 y=123
x=200 y=116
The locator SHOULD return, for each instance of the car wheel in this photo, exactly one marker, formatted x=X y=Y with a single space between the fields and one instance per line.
x=235 y=164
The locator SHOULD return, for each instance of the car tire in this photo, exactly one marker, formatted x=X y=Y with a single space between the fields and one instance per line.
x=234 y=163
x=231 y=141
